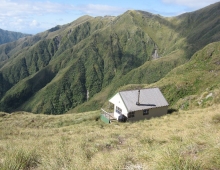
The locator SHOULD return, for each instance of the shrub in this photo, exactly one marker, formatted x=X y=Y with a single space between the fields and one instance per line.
x=2 y=114
x=216 y=118
x=173 y=159
x=20 y=160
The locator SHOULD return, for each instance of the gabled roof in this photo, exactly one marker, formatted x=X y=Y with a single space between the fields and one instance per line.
x=149 y=98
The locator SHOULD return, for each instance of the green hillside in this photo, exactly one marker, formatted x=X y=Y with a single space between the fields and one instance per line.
x=191 y=85
x=197 y=82
x=9 y=36
x=69 y=72
x=80 y=65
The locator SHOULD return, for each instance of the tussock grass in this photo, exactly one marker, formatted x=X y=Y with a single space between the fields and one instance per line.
x=2 y=114
x=181 y=140
x=17 y=159
x=179 y=157
x=216 y=118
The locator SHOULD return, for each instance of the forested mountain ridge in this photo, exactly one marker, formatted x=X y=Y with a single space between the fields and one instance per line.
x=59 y=69
x=9 y=36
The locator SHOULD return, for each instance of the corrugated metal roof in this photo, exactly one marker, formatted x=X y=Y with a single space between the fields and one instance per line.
x=149 y=98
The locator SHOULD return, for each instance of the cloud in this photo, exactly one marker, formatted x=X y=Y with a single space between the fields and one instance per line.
x=19 y=15
x=33 y=16
x=24 y=15
x=34 y=23
x=21 y=8
x=10 y=8
x=97 y=9
x=195 y=4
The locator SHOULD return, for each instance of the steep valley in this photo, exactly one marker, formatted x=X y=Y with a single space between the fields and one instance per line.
x=53 y=84
x=54 y=71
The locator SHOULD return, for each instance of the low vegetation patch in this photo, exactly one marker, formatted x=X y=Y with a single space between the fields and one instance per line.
x=19 y=159
x=176 y=157
x=2 y=114
x=180 y=140
x=216 y=118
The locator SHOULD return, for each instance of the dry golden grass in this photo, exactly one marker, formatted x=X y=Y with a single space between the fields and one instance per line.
x=182 y=140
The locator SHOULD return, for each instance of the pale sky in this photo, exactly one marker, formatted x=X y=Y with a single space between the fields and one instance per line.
x=34 y=16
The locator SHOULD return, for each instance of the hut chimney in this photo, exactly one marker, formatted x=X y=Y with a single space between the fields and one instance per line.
x=138 y=102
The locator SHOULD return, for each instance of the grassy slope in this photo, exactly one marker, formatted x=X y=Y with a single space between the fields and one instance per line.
x=93 y=53
x=187 y=41
x=90 y=56
x=182 y=140
x=194 y=84
x=9 y=36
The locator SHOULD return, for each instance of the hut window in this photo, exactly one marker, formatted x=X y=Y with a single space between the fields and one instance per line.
x=145 y=112
x=131 y=114
x=118 y=110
